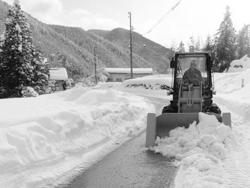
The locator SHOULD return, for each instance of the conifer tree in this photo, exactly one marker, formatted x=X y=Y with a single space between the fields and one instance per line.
x=181 y=47
x=41 y=72
x=225 y=42
x=192 y=42
x=20 y=60
x=243 y=42
x=210 y=48
x=197 y=46
x=209 y=45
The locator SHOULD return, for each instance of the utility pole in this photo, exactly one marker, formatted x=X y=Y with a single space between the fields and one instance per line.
x=130 y=45
x=95 y=64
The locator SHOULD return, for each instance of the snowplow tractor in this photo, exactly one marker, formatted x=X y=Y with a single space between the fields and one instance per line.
x=192 y=92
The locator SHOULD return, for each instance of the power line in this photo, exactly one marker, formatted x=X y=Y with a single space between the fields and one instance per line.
x=162 y=18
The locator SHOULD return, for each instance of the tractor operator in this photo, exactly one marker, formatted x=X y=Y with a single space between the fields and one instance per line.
x=192 y=75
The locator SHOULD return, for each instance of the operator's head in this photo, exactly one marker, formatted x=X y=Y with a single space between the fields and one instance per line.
x=193 y=64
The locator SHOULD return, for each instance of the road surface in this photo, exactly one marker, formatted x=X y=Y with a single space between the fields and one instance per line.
x=130 y=166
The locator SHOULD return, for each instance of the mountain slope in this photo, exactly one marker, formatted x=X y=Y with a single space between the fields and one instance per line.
x=107 y=52
x=156 y=54
x=72 y=47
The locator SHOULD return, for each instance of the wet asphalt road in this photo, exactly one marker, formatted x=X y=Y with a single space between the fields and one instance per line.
x=130 y=166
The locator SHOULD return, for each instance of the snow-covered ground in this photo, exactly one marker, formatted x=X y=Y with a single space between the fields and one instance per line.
x=51 y=137
x=235 y=97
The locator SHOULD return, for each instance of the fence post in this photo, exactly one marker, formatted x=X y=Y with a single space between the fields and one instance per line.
x=242 y=83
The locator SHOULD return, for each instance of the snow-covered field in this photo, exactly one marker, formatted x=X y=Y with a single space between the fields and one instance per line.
x=47 y=138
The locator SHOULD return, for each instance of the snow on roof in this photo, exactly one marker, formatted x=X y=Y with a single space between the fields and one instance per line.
x=58 y=74
x=127 y=70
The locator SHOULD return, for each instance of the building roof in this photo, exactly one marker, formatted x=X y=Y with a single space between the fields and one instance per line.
x=127 y=70
x=58 y=74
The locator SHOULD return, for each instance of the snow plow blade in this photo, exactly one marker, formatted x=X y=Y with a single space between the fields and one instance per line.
x=160 y=126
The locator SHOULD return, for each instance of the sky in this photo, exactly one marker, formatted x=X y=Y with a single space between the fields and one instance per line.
x=197 y=18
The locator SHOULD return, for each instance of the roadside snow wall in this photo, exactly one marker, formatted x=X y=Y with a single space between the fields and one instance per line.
x=233 y=91
x=36 y=133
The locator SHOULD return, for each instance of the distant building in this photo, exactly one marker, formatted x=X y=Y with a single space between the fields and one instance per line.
x=58 y=74
x=58 y=78
x=121 y=74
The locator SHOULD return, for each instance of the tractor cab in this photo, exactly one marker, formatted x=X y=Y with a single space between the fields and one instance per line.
x=189 y=88
x=192 y=91
x=183 y=63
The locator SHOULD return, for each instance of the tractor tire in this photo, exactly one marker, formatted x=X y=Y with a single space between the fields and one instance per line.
x=168 y=109
x=214 y=109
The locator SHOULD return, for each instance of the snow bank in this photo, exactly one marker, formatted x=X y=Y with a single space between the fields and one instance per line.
x=48 y=130
x=200 y=151
x=150 y=82
x=230 y=82
x=240 y=64
x=233 y=91
x=235 y=97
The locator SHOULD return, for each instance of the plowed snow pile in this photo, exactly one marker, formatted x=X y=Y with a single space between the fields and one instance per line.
x=200 y=152
x=46 y=137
